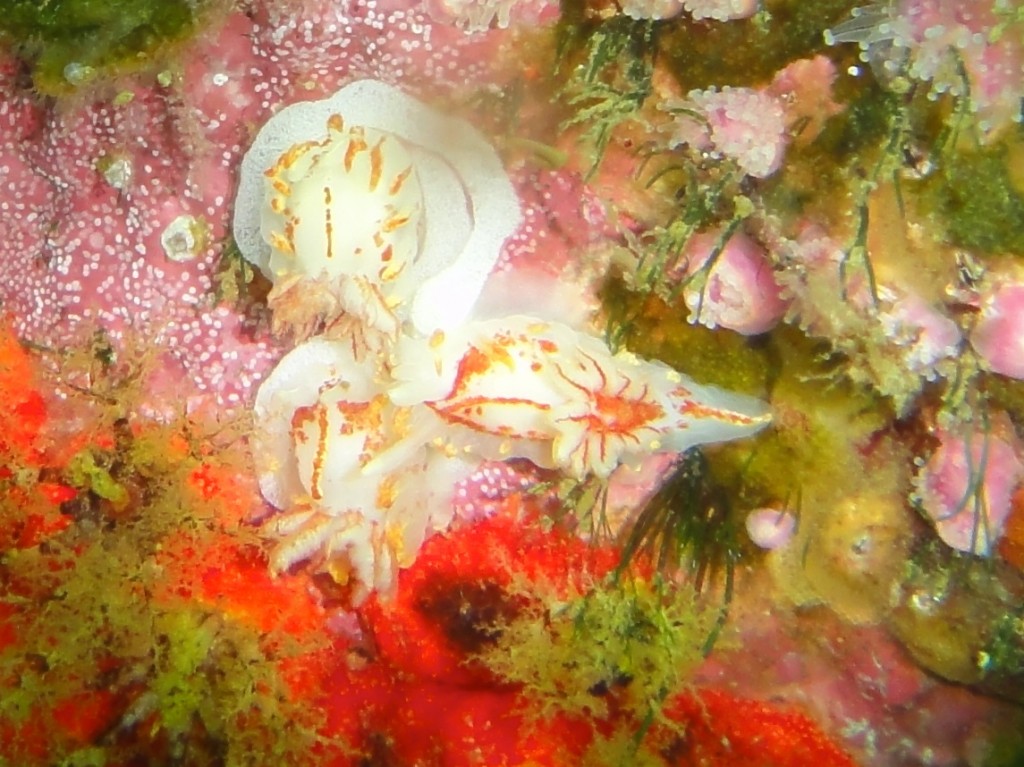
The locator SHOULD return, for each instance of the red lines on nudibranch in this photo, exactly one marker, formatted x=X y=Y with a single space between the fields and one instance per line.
x=563 y=399
x=690 y=409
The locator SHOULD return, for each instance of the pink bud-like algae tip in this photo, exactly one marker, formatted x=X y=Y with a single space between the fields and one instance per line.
x=743 y=124
x=770 y=528
x=740 y=293
x=998 y=337
x=966 y=492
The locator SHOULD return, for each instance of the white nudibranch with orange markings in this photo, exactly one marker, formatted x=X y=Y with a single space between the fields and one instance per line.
x=369 y=209
x=344 y=220
x=363 y=460
x=519 y=387
x=359 y=489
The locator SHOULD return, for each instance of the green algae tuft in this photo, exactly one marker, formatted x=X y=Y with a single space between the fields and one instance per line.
x=627 y=641
x=111 y=649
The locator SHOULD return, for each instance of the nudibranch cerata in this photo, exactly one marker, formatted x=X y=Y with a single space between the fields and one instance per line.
x=371 y=207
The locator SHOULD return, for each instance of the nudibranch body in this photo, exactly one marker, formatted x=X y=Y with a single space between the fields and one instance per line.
x=459 y=222
x=521 y=387
x=344 y=221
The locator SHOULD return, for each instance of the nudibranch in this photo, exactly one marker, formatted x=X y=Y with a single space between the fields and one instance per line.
x=522 y=387
x=389 y=224
x=347 y=203
x=363 y=458
x=359 y=488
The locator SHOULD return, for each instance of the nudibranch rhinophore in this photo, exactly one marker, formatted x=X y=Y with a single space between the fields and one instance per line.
x=522 y=387
x=346 y=204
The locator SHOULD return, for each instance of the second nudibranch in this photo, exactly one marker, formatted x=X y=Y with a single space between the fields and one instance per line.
x=522 y=387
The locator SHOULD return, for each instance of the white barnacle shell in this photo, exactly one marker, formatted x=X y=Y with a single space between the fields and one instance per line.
x=469 y=207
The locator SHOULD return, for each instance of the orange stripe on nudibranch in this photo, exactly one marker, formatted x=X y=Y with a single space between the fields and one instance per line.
x=399 y=181
x=376 y=165
x=389 y=272
x=289 y=232
x=473 y=363
x=328 y=225
x=691 y=409
x=469 y=411
x=321 y=450
x=356 y=144
x=293 y=154
x=280 y=243
x=300 y=418
x=394 y=222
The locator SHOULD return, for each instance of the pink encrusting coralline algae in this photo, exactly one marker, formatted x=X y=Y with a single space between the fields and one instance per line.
x=111 y=223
